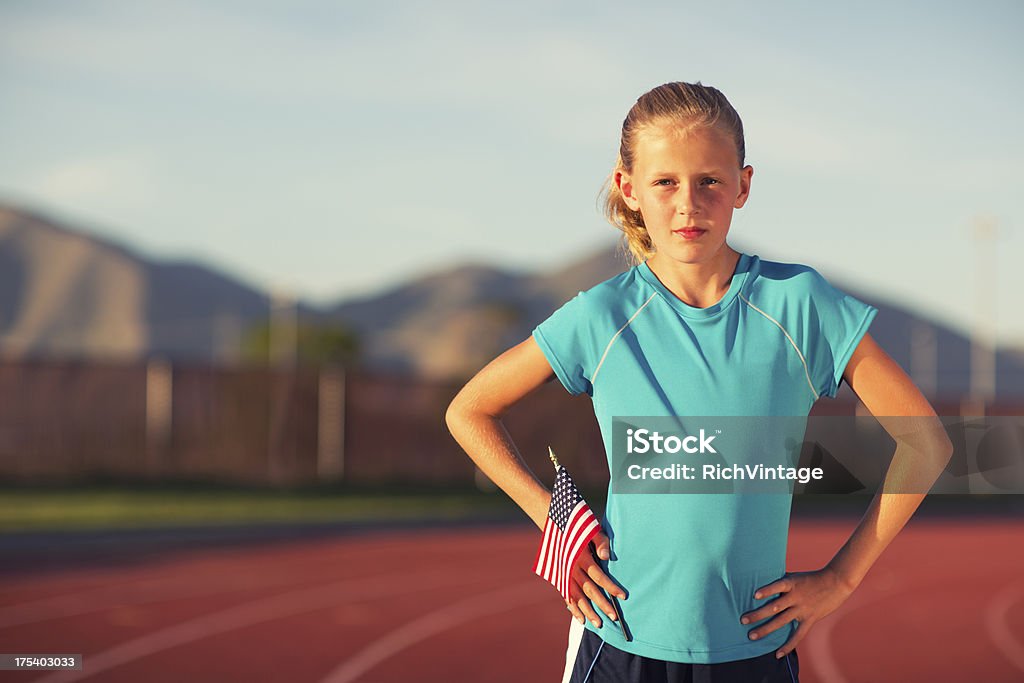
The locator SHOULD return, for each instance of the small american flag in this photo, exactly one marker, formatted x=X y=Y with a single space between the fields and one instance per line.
x=569 y=527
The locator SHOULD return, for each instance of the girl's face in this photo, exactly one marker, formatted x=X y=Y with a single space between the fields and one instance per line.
x=685 y=184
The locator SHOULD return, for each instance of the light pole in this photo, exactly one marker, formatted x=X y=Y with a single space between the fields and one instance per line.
x=983 y=334
x=283 y=356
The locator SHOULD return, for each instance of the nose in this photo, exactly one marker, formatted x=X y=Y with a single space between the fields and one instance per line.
x=686 y=200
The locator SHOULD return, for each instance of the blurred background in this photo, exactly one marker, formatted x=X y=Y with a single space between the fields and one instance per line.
x=250 y=251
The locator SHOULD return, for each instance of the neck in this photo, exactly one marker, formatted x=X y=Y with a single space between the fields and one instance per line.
x=700 y=284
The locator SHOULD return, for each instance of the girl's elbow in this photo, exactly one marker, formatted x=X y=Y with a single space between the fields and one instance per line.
x=939 y=450
x=460 y=411
x=947 y=450
x=939 y=443
x=454 y=415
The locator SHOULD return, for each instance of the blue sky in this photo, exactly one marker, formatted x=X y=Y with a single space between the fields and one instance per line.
x=334 y=148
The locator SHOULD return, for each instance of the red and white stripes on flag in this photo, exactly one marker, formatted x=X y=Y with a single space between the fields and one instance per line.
x=569 y=527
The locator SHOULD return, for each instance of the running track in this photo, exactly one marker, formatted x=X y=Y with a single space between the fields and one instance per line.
x=944 y=603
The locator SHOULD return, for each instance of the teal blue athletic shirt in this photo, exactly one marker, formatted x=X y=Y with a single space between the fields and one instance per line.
x=778 y=340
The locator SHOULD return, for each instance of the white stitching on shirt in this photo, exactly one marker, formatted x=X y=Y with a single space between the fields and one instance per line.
x=616 y=336
x=807 y=372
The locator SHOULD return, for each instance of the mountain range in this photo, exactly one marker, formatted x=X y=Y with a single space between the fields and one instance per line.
x=66 y=293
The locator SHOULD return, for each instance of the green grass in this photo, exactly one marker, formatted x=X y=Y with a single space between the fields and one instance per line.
x=120 y=507
x=126 y=505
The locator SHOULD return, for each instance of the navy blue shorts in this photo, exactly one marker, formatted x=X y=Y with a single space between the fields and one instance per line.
x=598 y=662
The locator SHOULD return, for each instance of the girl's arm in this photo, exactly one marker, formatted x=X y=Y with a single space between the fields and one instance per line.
x=474 y=419
x=921 y=455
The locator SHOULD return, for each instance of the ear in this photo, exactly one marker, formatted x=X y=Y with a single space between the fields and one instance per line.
x=625 y=185
x=746 y=173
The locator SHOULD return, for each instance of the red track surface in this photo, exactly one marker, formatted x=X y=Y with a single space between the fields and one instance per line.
x=944 y=603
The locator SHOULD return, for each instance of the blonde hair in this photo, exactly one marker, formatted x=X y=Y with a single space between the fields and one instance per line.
x=681 y=106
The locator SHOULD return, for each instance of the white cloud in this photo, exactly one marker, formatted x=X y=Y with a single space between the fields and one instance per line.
x=114 y=180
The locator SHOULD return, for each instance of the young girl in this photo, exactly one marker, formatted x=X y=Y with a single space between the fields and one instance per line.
x=694 y=328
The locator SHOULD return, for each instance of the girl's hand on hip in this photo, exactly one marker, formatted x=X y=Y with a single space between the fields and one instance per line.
x=587 y=580
x=805 y=597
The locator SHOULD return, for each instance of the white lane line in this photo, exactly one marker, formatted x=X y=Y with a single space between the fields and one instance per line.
x=997 y=622
x=821 y=654
x=254 y=612
x=433 y=623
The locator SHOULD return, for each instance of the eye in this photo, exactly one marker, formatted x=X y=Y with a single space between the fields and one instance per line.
x=664 y=182
x=712 y=180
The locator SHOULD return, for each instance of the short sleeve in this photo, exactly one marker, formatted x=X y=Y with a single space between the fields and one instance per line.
x=838 y=322
x=563 y=338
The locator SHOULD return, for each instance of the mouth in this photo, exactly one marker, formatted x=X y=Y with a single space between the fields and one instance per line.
x=689 y=233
